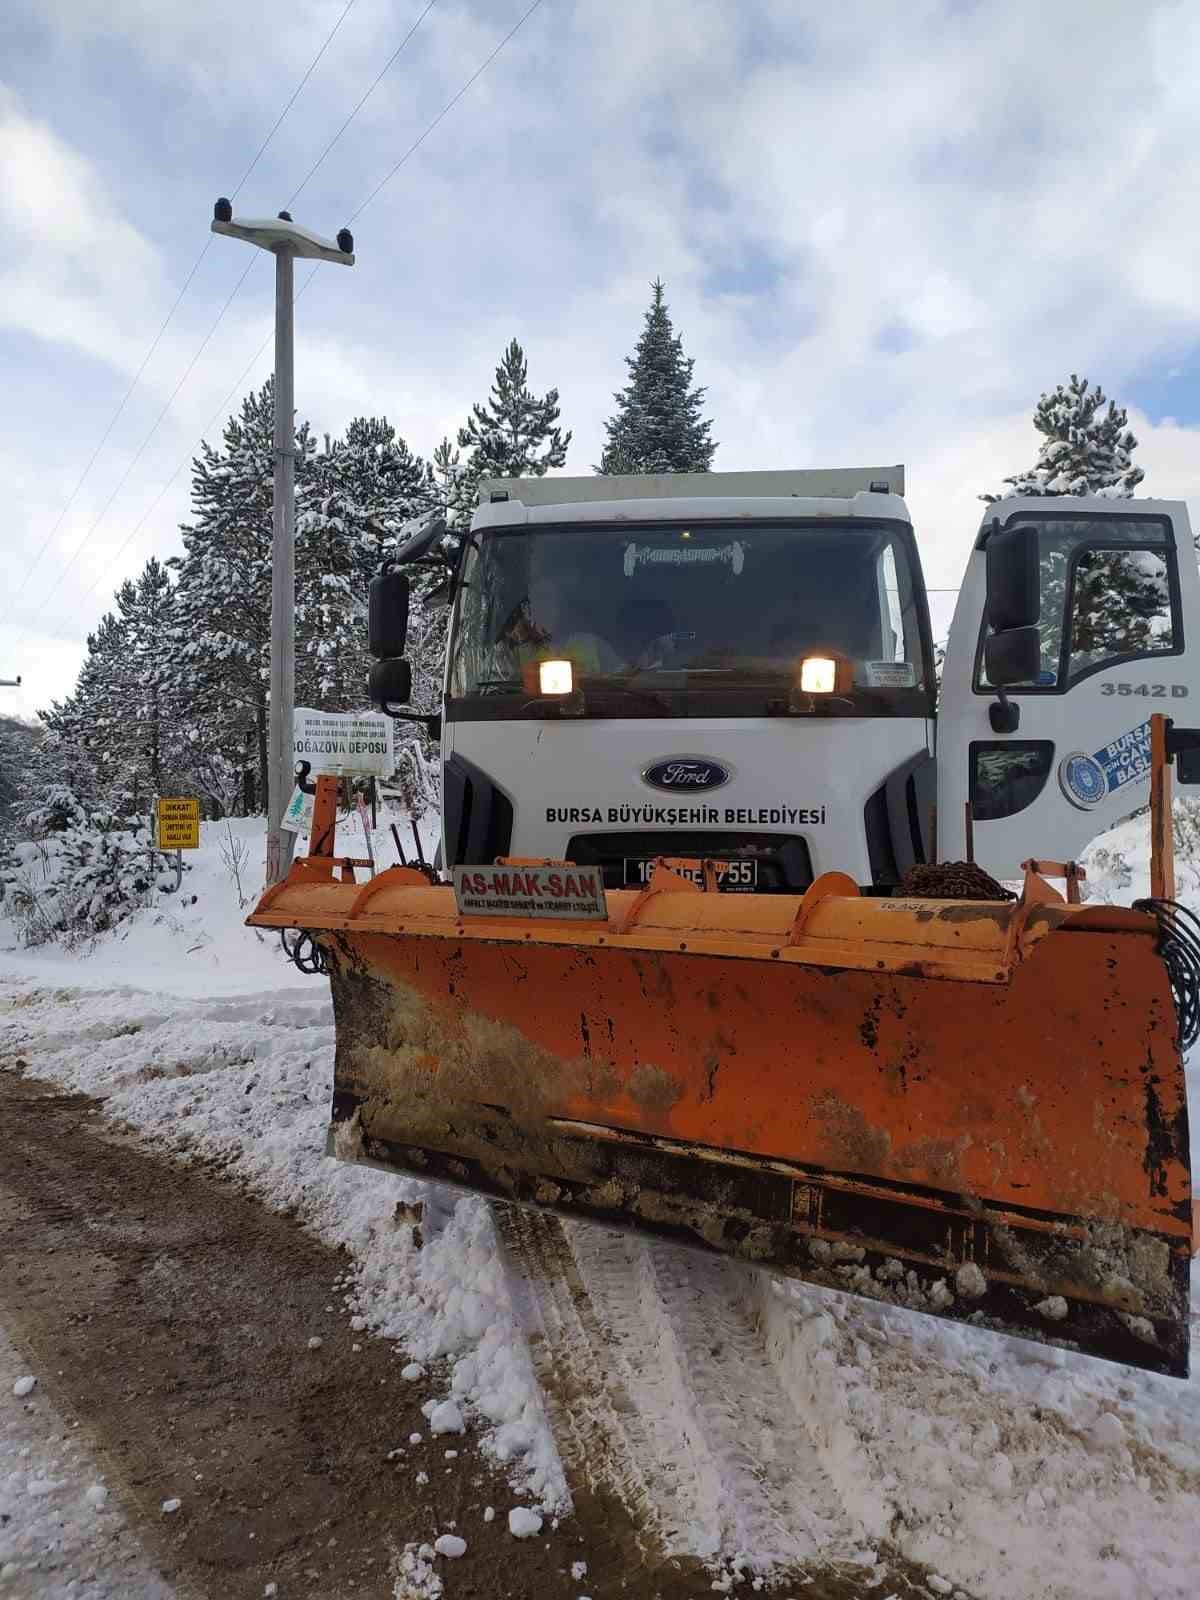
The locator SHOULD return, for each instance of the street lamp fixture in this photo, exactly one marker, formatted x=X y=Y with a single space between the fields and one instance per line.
x=286 y=240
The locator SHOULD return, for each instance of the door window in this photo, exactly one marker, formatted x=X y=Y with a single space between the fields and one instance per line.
x=1120 y=607
x=1108 y=594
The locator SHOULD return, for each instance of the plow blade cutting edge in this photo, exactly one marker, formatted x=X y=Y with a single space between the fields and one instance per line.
x=972 y=1109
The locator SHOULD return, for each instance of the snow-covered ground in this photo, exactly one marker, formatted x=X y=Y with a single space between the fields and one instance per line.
x=1017 y=1471
x=61 y=1532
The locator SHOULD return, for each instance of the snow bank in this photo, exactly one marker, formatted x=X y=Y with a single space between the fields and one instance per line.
x=196 y=942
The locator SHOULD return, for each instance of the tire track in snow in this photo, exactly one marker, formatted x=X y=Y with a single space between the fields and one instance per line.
x=661 y=1394
x=595 y=1422
x=1014 y=1469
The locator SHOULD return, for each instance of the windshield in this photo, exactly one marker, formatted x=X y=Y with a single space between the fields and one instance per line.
x=693 y=611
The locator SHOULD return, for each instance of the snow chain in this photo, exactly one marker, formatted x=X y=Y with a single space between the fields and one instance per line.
x=951 y=880
x=1179 y=947
x=303 y=951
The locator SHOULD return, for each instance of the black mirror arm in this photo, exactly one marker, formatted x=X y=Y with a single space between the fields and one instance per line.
x=1004 y=716
x=431 y=721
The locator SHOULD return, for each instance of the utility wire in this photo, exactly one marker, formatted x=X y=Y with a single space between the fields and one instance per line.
x=216 y=416
x=412 y=149
x=157 y=340
x=386 y=68
x=446 y=109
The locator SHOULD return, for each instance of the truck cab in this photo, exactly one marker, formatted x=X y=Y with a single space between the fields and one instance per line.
x=727 y=665
x=739 y=667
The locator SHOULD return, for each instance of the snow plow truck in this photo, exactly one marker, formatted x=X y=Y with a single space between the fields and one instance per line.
x=747 y=934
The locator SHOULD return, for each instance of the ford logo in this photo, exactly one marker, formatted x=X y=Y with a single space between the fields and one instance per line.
x=685 y=773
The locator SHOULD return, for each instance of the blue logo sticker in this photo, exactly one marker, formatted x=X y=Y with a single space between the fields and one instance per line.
x=1087 y=780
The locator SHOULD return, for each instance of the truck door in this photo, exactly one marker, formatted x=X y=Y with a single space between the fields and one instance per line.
x=1097 y=603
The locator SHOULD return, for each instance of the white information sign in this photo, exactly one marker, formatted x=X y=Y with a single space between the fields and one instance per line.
x=344 y=742
x=574 y=892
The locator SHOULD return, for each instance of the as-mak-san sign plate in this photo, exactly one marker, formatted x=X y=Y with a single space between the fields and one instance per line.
x=344 y=742
x=503 y=891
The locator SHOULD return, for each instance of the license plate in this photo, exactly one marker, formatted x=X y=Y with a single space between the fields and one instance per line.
x=733 y=877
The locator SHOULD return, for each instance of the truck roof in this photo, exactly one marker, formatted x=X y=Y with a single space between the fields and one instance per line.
x=811 y=483
x=694 y=509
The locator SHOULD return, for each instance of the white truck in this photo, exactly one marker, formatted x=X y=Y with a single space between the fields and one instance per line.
x=739 y=666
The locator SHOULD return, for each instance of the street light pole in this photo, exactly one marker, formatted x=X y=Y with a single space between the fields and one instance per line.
x=285 y=240
x=280 y=841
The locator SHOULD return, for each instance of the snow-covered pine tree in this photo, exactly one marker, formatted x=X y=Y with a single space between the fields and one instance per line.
x=156 y=750
x=360 y=490
x=455 y=489
x=1116 y=597
x=19 y=742
x=515 y=435
x=657 y=426
x=223 y=600
x=1083 y=452
x=88 y=734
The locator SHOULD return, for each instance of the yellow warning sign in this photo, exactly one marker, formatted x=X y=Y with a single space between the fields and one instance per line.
x=179 y=824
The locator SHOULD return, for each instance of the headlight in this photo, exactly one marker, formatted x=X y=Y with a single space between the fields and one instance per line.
x=557 y=677
x=818 y=674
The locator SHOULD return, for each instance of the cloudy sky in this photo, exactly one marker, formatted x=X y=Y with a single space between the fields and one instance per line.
x=884 y=230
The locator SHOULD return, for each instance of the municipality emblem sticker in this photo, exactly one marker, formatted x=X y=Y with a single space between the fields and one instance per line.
x=1083 y=780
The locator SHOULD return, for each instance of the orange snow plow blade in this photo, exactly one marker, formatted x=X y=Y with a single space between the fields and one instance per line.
x=974 y=1109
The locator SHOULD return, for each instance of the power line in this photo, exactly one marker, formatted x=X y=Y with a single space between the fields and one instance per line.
x=216 y=416
x=412 y=149
x=446 y=109
x=157 y=340
x=242 y=279
x=137 y=455
x=395 y=55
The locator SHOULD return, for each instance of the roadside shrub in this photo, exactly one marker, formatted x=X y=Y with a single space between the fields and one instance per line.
x=79 y=872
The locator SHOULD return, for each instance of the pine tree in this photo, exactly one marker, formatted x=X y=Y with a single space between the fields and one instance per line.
x=657 y=426
x=515 y=435
x=19 y=744
x=88 y=730
x=223 y=600
x=1115 y=599
x=1083 y=451
x=360 y=490
x=147 y=692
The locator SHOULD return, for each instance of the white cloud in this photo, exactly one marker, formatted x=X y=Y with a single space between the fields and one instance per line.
x=819 y=187
x=70 y=259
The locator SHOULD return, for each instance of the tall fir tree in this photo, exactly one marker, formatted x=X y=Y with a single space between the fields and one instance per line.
x=150 y=696
x=223 y=597
x=1082 y=450
x=88 y=732
x=359 y=490
x=1115 y=597
x=657 y=426
x=514 y=435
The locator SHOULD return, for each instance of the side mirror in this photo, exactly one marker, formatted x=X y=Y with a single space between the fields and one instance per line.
x=420 y=536
x=390 y=683
x=1014 y=656
x=1183 y=747
x=1014 y=598
x=387 y=613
